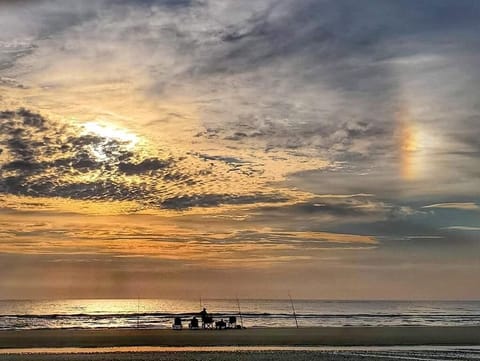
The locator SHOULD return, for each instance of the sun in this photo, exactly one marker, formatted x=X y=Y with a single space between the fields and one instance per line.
x=108 y=133
x=111 y=132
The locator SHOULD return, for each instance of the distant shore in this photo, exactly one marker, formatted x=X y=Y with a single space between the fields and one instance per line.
x=319 y=336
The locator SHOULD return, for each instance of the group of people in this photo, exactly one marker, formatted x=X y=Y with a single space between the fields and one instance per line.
x=207 y=322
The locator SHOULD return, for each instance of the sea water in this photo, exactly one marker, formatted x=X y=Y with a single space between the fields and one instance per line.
x=159 y=313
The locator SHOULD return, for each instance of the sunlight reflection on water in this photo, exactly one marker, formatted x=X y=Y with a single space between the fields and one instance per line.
x=155 y=313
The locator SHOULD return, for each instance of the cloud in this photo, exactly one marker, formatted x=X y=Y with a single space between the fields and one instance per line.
x=213 y=200
x=354 y=56
x=43 y=158
x=463 y=228
x=274 y=89
x=334 y=209
x=158 y=3
x=271 y=82
x=229 y=160
x=467 y=206
x=164 y=240
x=284 y=127
x=146 y=165
x=9 y=82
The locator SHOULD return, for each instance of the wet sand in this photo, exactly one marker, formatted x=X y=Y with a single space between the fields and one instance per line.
x=340 y=355
x=330 y=336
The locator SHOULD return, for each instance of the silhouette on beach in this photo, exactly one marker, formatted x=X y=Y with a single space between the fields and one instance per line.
x=207 y=322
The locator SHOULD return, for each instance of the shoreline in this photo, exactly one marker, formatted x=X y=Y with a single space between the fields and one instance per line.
x=432 y=354
x=229 y=349
x=318 y=336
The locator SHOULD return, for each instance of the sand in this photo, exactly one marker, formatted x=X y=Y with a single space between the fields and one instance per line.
x=333 y=336
x=342 y=355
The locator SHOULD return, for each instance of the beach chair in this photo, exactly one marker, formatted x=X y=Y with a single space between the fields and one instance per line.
x=177 y=323
x=193 y=325
x=232 y=322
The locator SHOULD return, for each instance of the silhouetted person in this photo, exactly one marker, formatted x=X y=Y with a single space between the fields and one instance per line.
x=194 y=322
x=232 y=322
x=177 y=323
x=220 y=324
x=204 y=316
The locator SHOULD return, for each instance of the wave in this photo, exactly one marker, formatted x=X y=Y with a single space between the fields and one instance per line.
x=245 y=315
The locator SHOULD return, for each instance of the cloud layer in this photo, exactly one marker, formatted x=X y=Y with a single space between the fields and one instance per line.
x=299 y=137
x=42 y=158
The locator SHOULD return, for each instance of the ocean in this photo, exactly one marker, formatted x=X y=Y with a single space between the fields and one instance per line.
x=159 y=313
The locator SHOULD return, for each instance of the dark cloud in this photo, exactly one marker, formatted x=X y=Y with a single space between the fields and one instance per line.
x=47 y=159
x=44 y=158
x=333 y=139
x=27 y=22
x=21 y=165
x=146 y=165
x=332 y=212
x=304 y=29
x=342 y=58
x=228 y=160
x=213 y=200
x=290 y=50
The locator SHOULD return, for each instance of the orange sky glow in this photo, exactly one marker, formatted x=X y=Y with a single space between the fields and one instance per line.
x=179 y=147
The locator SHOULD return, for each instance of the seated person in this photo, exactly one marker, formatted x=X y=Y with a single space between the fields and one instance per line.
x=193 y=323
x=177 y=323
x=232 y=322
x=220 y=324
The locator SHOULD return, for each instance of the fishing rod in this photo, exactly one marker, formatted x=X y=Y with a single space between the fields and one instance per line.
x=138 y=311
x=293 y=308
x=240 y=312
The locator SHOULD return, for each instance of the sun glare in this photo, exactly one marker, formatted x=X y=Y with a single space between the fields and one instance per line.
x=111 y=132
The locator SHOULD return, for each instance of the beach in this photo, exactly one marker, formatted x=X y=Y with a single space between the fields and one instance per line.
x=319 y=336
x=258 y=344
x=340 y=355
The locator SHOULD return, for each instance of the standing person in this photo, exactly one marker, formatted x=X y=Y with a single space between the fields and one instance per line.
x=204 y=316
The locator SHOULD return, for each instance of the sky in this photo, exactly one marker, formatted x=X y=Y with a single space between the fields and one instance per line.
x=186 y=148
